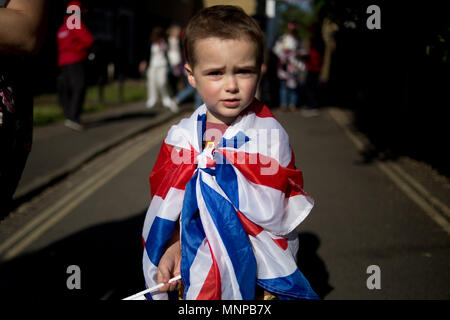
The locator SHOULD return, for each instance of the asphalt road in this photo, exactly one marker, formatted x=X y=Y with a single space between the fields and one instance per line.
x=362 y=217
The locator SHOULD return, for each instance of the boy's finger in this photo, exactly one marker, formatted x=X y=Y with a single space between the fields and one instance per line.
x=163 y=277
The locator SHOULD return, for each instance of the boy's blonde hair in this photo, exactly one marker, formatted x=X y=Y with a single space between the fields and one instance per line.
x=224 y=22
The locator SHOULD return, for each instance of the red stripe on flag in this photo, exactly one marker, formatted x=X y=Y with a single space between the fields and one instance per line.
x=211 y=289
x=285 y=179
x=168 y=172
x=281 y=242
x=249 y=226
x=259 y=108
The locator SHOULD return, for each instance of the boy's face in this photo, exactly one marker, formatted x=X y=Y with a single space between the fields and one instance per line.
x=226 y=76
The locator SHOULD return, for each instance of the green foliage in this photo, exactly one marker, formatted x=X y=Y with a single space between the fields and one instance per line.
x=302 y=18
x=132 y=91
x=47 y=113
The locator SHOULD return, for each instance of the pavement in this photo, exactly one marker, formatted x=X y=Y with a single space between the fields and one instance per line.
x=58 y=151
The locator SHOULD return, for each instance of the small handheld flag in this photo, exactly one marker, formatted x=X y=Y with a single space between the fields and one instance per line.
x=140 y=295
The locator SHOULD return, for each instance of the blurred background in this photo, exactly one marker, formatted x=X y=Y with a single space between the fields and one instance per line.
x=395 y=79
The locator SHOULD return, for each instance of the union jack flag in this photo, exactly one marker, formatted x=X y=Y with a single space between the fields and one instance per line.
x=238 y=204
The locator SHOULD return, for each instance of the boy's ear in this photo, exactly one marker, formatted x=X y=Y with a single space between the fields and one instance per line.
x=190 y=76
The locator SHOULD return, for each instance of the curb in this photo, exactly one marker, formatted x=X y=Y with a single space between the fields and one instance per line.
x=39 y=184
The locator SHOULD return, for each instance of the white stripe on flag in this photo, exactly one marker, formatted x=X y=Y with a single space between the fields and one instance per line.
x=272 y=261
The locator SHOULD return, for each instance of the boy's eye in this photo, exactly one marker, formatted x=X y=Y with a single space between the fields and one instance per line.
x=245 y=71
x=214 y=73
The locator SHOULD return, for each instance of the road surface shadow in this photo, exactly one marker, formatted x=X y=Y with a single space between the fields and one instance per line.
x=311 y=265
x=109 y=257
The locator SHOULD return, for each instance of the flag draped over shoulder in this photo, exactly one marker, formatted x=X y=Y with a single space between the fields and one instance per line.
x=238 y=205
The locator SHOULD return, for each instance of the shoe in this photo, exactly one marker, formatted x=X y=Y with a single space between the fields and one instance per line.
x=73 y=125
x=292 y=108
x=310 y=113
x=173 y=107
x=149 y=104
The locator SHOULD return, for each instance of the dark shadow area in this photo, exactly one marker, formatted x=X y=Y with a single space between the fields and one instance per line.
x=109 y=257
x=394 y=79
x=269 y=86
x=110 y=260
x=311 y=265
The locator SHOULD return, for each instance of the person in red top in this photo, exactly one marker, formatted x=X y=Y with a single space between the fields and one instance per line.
x=74 y=40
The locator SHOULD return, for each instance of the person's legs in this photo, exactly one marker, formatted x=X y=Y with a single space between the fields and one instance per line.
x=292 y=98
x=164 y=90
x=78 y=91
x=66 y=92
x=152 y=93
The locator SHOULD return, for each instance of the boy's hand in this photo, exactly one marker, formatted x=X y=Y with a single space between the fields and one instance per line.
x=169 y=267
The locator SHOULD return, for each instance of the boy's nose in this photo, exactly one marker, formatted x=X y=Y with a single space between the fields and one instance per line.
x=231 y=85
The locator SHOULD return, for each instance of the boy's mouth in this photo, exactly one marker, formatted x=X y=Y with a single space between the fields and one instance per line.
x=230 y=103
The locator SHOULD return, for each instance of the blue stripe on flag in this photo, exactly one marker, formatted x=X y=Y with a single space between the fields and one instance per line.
x=160 y=232
x=148 y=296
x=294 y=285
x=235 y=142
x=201 y=128
x=192 y=233
x=234 y=239
x=227 y=180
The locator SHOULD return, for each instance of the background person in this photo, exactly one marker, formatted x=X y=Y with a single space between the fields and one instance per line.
x=22 y=32
x=73 y=49
x=287 y=49
x=175 y=58
x=157 y=71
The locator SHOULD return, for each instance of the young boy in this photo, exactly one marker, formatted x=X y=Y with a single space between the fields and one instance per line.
x=226 y=196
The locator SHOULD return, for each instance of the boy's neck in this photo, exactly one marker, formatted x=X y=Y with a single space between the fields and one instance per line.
x=210 y=117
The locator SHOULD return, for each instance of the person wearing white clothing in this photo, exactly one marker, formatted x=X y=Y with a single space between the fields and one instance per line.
x=174 y=57
x=157 y=72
